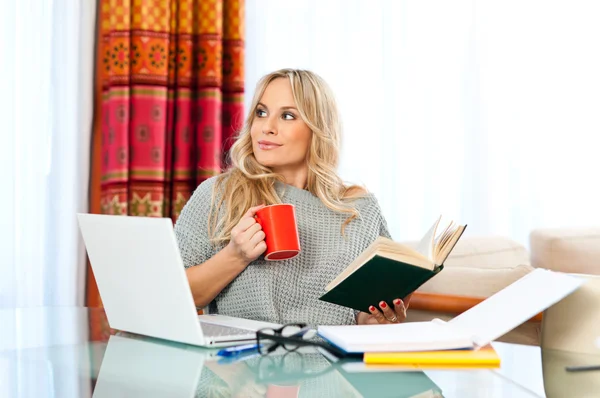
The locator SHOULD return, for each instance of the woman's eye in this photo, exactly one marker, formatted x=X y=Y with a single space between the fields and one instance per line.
x=288 y=116
x=261 y=113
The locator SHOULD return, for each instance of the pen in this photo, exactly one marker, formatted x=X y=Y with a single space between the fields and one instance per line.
x=582 y=368
x=237 y=350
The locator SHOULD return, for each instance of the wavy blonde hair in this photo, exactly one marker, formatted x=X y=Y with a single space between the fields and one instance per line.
x=247 y=183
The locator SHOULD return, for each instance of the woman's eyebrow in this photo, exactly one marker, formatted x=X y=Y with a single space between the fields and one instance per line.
x=282 y=108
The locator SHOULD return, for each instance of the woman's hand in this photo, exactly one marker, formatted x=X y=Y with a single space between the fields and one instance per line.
x=384 y=314
x=247 y=237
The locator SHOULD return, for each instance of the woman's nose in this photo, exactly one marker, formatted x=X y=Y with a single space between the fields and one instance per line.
x=269 y=127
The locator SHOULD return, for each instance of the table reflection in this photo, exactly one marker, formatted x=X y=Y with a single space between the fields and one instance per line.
x=138 y=366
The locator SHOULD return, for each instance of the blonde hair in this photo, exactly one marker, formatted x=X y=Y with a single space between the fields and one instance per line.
x=247 y=183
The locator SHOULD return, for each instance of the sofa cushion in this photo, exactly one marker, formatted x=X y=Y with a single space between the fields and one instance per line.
x=488 y=253
x=480 y=267
x=474 y=282
x=575 y=250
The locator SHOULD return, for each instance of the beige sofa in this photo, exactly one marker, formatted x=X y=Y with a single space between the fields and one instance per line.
x=480 y=267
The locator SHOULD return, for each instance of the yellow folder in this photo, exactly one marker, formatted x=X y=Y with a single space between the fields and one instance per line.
x=485 y=357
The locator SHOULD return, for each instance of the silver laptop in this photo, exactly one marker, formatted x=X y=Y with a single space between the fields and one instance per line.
x=143 y=285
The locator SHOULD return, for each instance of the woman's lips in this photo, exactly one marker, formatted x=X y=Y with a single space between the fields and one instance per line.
x=267 y=145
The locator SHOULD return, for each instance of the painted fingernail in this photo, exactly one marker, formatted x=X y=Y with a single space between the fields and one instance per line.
x=371 y=308
x=383 y=304
x=397 y=301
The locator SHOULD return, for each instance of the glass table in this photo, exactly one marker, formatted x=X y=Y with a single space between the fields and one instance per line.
x=71 y=352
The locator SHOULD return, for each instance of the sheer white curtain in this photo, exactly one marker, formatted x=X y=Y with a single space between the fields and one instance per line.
x=483 y=111
x=46 y=97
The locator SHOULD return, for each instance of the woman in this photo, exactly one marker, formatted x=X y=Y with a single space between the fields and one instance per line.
x=287 y=152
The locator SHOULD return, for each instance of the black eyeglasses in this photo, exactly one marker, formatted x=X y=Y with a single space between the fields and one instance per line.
x=291 y=336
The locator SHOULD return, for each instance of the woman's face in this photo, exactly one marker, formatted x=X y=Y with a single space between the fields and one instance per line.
x=280 y=138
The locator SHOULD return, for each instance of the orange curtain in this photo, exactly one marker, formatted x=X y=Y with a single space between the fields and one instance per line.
x=170 y=86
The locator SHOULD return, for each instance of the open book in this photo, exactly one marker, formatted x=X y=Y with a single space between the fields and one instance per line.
x=387 y=270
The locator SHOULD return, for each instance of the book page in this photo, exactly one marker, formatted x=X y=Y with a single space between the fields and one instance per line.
x=399 y=251
x=442 y=238
x=516 y=304
x=443 y=251
x=425 y=246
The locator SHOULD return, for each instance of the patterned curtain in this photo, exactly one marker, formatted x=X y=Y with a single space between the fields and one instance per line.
x=172 y=84
x=169 y=97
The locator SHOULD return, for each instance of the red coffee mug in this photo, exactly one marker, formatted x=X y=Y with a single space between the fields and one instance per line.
x=278 y=222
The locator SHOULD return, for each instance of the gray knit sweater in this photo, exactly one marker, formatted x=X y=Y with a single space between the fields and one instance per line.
x=289 y=290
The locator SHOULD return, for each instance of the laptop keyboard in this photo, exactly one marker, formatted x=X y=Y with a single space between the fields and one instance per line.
x=209 y=329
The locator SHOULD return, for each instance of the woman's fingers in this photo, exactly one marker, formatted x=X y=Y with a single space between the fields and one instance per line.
x=247 y=238
x=388 y=313
x=251 y=231
x=247 y=219
x=257 y=245
x=241 y=238
x=400 y=309
x=259 y=249
x=252 y=211
x=256 y=238
x=377 y=315
x=245 y=223
x=407 y=301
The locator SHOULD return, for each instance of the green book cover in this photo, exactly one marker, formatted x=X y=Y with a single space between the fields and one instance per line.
x=378 y=279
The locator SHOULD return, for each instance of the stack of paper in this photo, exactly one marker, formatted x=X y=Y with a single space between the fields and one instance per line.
x=473 y=329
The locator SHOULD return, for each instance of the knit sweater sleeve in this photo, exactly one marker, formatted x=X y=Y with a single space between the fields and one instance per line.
x=373 y=211
x=383 y=227
x=191 y=228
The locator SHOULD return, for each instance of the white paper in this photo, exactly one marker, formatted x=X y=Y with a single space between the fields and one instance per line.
x=412 y=336
x=515 y=304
